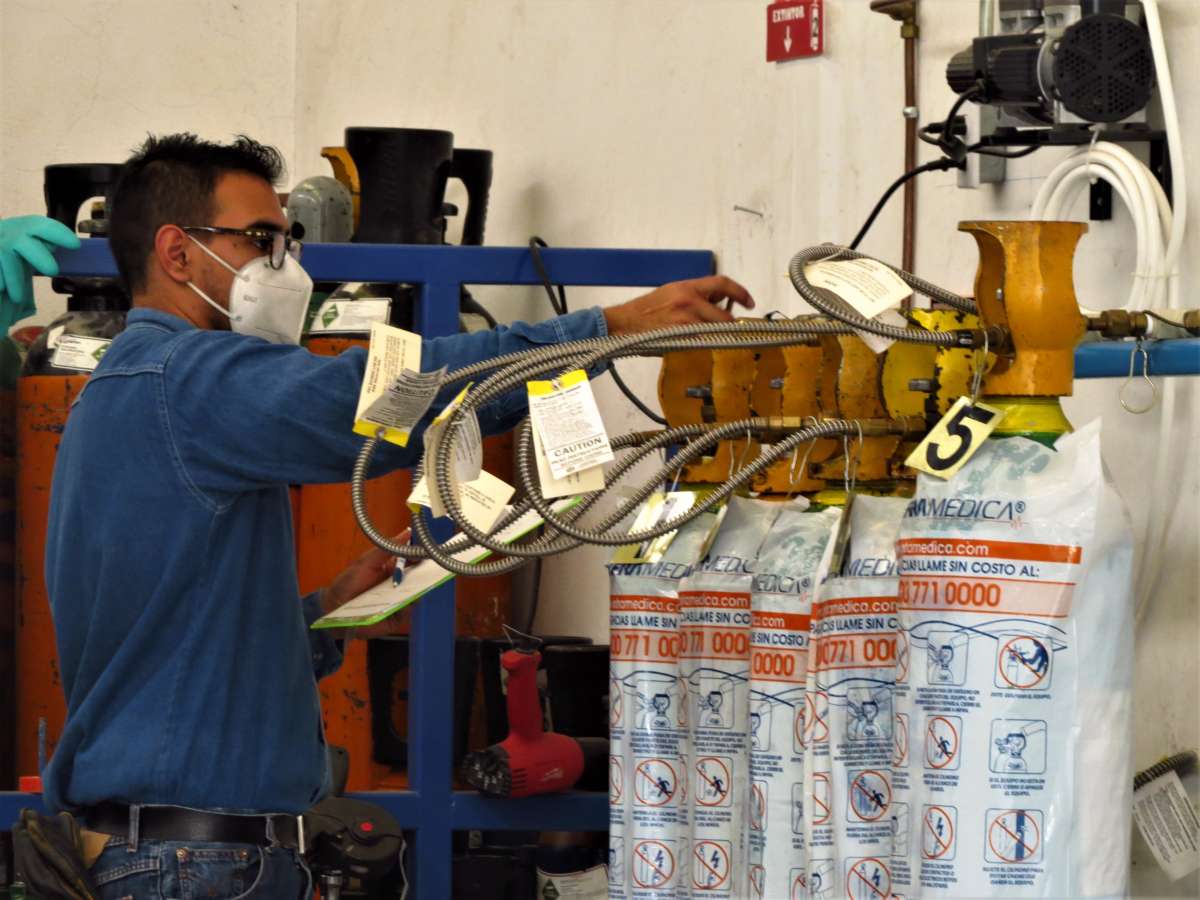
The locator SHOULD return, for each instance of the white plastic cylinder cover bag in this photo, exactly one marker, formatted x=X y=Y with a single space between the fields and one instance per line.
x=714 y=606
x=647 y=720
x=791 y=563
x=1015 y=607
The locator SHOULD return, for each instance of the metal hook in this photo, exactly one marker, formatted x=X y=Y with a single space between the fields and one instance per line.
x=796 y=474
x=741 y=459
x=1139 y=350
x=509 y=631
x=980 y=365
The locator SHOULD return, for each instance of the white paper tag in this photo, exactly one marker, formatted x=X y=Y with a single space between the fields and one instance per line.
x=74 y=351
x=586 y=885
x=468 y=450
x=657 y=508
x=1168 y=823
x=393 y=352
x=341 y=315
x=867 y=285
x=580 y=482
x=405 y=400
x=877 y=342
x=568 y=420
x=482 y=499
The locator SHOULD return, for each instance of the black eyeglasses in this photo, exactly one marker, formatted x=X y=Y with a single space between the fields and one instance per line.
x=273 y=243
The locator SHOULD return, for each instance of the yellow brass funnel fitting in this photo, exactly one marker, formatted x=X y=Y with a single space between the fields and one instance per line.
x=1024 y=284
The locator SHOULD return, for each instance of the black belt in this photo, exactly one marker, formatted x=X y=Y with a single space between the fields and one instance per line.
x=175 y=823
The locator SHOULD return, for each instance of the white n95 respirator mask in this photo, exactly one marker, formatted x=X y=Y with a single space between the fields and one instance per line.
x=264 y=301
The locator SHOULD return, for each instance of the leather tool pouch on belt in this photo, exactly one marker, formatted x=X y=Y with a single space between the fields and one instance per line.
x=48 y=857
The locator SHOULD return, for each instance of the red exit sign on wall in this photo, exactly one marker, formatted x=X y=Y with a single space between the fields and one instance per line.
x=795 y=29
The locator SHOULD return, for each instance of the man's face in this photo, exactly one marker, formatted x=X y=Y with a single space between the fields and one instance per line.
x=240 y=200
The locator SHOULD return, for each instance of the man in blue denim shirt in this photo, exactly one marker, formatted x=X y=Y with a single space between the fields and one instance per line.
x=194 y=732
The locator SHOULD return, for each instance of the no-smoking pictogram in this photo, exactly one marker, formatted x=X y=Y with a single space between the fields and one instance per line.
x=653 y=864
x=1014 y=835
x=937 y=836
x=868 y=879
x=758 y=805
x=758 y=876
x=1024 y=663
x=710 y=865
x=900 y=740
x=942 y=742
x=822 y=804
x=816 y=715
x=616 y=780
x=654 y=782
x=712 y=781
x=870 y=796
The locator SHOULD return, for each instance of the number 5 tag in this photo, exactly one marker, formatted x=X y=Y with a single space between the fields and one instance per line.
x=955 y=438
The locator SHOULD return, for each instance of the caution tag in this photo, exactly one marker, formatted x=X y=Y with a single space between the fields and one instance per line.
x=581 y=482
x=482 y=500
x=867 y=285
x=395 y=394
x=955 y=438
x=468 y=450
x=1168 y=823
x=565 y=414
x=74 y=351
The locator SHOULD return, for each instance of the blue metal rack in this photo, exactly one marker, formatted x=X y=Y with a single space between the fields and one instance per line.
x=431 y=808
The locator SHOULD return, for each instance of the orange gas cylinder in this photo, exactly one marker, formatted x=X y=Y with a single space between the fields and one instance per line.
x=328 y=539
x=43 y=402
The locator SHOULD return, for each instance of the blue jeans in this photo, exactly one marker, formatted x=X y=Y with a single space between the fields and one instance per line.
x=174 y=870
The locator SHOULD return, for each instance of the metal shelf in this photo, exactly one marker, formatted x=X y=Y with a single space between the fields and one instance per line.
x=432 y=809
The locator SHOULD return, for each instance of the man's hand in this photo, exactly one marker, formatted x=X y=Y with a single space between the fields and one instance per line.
x=372 y=568
x=678 y=303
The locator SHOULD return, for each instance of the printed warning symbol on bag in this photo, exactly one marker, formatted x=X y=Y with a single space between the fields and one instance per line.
x=799 y=885
x=900 y=740
x=654 y=782
x=710 y=865
x=937 y=832
x=653 y=863
x=822 y=795
x=870 y=795
x=1014 y=836
x=821 y=879
x=1023 y=663
x=868 y=879
x=1018 y=746
x=799 y=741
x=616 y=861
x=942 y=742
x=616 y=780
x=713 y=780
x=758 y=806
x=757 y=878
x=616 y=706
x=946 y=657
x=816 y=717
x=902 y=655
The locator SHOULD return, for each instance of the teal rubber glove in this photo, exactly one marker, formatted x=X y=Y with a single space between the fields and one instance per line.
x=27 y=245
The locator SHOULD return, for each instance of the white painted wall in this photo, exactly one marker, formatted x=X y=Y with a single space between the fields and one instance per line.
x=616 y=123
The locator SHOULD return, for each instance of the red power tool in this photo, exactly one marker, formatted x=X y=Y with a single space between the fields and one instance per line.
x=530 y=760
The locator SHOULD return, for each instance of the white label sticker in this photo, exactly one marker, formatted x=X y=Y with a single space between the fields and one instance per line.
x=1168 y=823
x=83 y=354
x=341 y=315
x=393 y=352
x=405 y=400
x=468 y=450
x=867 y=285
x=586 y=885
x=569 y=423
x=482 y=499
x=580 y=482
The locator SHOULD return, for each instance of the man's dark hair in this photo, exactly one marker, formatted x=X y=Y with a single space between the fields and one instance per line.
x=170 y=180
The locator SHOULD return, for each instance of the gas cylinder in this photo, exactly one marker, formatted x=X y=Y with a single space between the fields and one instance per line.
x=55 y=369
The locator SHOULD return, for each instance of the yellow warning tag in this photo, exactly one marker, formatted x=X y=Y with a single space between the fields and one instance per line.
x=955 y=438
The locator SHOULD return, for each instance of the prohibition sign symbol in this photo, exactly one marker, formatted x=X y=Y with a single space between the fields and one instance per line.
x=901 y=656
x=941 y=742
x=1018 y=662
x=816 y=709
x=798 y=726
x=758 y=806
x=614 y=707
x=900 y=740
x=935 y=845
x=714 y=781
x=655 y=864
x=757 y=877
x=1014 y=836
x=616 y=780
x=870 y=795
x=820 y=795
x=860 y=884
x=654 y=782
x=713 y=868
x=799 y=887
